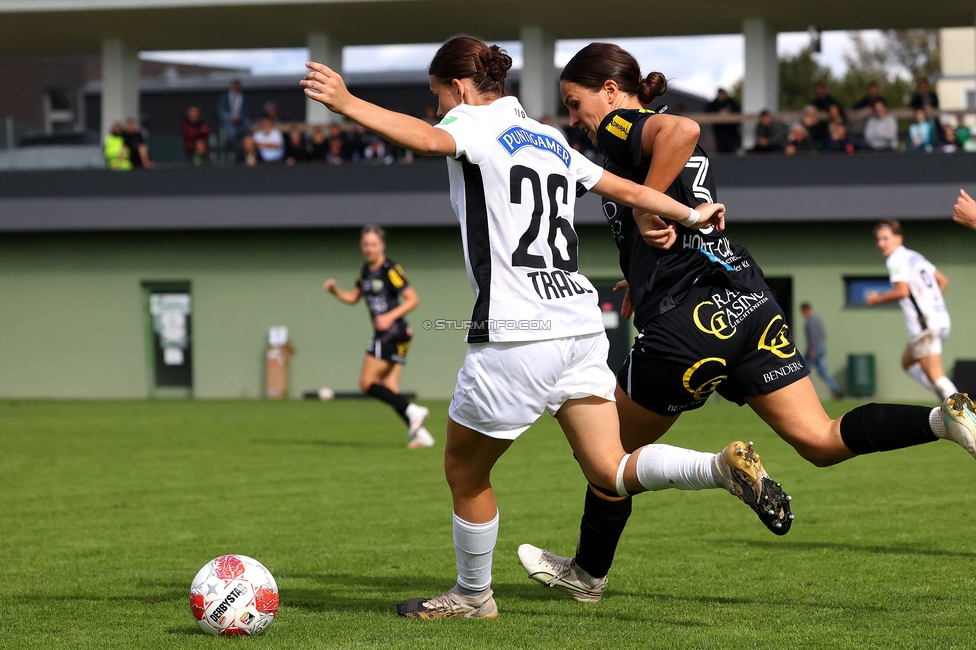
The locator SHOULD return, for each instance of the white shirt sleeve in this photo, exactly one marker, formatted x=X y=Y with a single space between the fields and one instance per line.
x=897 y=268
x=584 y=170
x=468 y=138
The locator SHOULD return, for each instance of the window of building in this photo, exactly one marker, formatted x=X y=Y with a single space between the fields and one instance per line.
x=59 y=114
x=857 y=288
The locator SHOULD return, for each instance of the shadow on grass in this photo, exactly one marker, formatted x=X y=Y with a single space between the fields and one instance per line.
x=853 y=548
x=357 y=593
x=355 y=444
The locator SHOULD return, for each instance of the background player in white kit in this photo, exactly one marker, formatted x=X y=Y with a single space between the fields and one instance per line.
x=513 y=187
x=918 y=287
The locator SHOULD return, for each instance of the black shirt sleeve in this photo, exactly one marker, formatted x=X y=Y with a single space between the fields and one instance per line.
x=619 y=137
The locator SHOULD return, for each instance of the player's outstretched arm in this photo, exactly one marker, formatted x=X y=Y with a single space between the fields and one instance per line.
x=410 y=301
x=326 y=86
x=644 y=198
x=348 y=297
x=899 y=291
x=965 y=210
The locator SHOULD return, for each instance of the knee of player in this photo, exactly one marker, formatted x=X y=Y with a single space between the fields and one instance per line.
x=364 y=385
x=819 y=456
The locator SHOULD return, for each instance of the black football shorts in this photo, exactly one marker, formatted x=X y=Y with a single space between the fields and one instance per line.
x=717 y=340
x=391 y=345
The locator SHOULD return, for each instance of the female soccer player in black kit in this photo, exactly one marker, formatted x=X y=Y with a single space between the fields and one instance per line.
x=383 y=282
x=707 y=323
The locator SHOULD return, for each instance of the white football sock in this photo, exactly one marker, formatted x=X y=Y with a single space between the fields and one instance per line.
x=473 y=544
x=944 y=387
x=414 y=411
x=915 y=370
x=660 y=467
x=937 y=423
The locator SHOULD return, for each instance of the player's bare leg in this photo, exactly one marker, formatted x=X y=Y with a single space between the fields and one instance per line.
x=468 y=459
x=381 y=379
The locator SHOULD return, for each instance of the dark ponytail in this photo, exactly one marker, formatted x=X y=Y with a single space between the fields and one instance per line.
x=467 y=57
x=596 y=63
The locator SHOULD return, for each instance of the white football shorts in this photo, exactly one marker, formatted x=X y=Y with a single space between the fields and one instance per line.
x=928 y=342
x=503 y=388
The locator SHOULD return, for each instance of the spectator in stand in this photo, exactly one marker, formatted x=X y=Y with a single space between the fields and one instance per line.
x=116 y=153
x=839 y=141
x=357 y=142
x=334 y=155
x=430 y=115
x=921 y=134
x=194 y=130
x=963 y=135
x=336 y=133
x=770 y=134
x=881 y=129
x=836 y=115
x=269 y=141
x=271 y=112
x=949 y=144
x=924 y=97
x=296 y=150
x=138 y=149
x=965 y=210
x=233 y=110
x=727 y=136
x=378 y=152
x=201 y=154
x=798 y=141
x=248 y=152
x=319 y=144
x=819 y=133
x=823 y=100
x=873 y=97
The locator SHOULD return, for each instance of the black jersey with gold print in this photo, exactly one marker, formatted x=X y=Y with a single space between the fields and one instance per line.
x=382 y=288
x=660 y=279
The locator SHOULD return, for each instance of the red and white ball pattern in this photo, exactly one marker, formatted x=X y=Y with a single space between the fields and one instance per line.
x=234 y=595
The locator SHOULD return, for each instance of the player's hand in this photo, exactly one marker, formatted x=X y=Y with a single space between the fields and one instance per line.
x=325 y=85
x=627 y=308
x=712 y=214
x=965 y=210
x=655 y=231
x=871 y=299
x=383 y=322
x=330 y=285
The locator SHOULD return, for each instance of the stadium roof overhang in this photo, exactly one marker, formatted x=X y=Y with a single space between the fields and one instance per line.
x=79 y=26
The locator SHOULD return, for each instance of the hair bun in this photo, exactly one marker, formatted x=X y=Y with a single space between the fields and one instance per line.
x=496 y=63
x=653 y=85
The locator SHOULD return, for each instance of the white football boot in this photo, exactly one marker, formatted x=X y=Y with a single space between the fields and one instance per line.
x=421 y=438
x=416 y=415
x=960 y=420
x=450 y=604
x=561 y=573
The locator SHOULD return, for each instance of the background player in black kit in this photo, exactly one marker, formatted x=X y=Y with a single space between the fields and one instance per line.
x=707 y=323
x=383 y=283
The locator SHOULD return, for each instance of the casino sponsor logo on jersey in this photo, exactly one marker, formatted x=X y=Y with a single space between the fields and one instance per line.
x=700 y=379
x=722 y=315
x=782 y=371
x=516 y=138
x=776 y=339
x=619 y=127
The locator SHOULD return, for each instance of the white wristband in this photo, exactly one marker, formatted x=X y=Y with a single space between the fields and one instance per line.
x=692 y=219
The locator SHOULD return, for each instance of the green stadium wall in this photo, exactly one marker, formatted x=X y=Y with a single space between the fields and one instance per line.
x=73 y=323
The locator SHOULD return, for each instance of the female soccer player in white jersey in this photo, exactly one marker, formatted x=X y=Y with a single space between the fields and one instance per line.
x=707 y=323
x=383 y=283
x=918 y=288
x=536 y=340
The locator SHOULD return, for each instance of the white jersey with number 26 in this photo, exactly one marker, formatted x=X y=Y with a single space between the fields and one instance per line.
x=924 y=308
x=513 y=188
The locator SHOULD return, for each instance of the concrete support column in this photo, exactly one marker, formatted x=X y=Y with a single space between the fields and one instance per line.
x=760 y=88
x=538 y=89
x=325 y=49
x=120 y=83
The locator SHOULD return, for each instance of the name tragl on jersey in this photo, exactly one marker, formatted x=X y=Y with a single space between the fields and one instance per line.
x=513 y=187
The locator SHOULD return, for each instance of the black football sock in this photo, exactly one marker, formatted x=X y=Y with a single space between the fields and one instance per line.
x=883 y=427
x=396 y=400
x=600 y=529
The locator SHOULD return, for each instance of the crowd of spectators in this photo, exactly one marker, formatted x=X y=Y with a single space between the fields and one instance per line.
x=824 y=126
x=869 y=125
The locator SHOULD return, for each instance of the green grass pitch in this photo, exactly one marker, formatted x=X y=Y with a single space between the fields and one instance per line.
x=107 y=510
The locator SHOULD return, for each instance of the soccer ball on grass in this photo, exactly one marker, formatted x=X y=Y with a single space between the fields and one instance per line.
x=234 y=595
